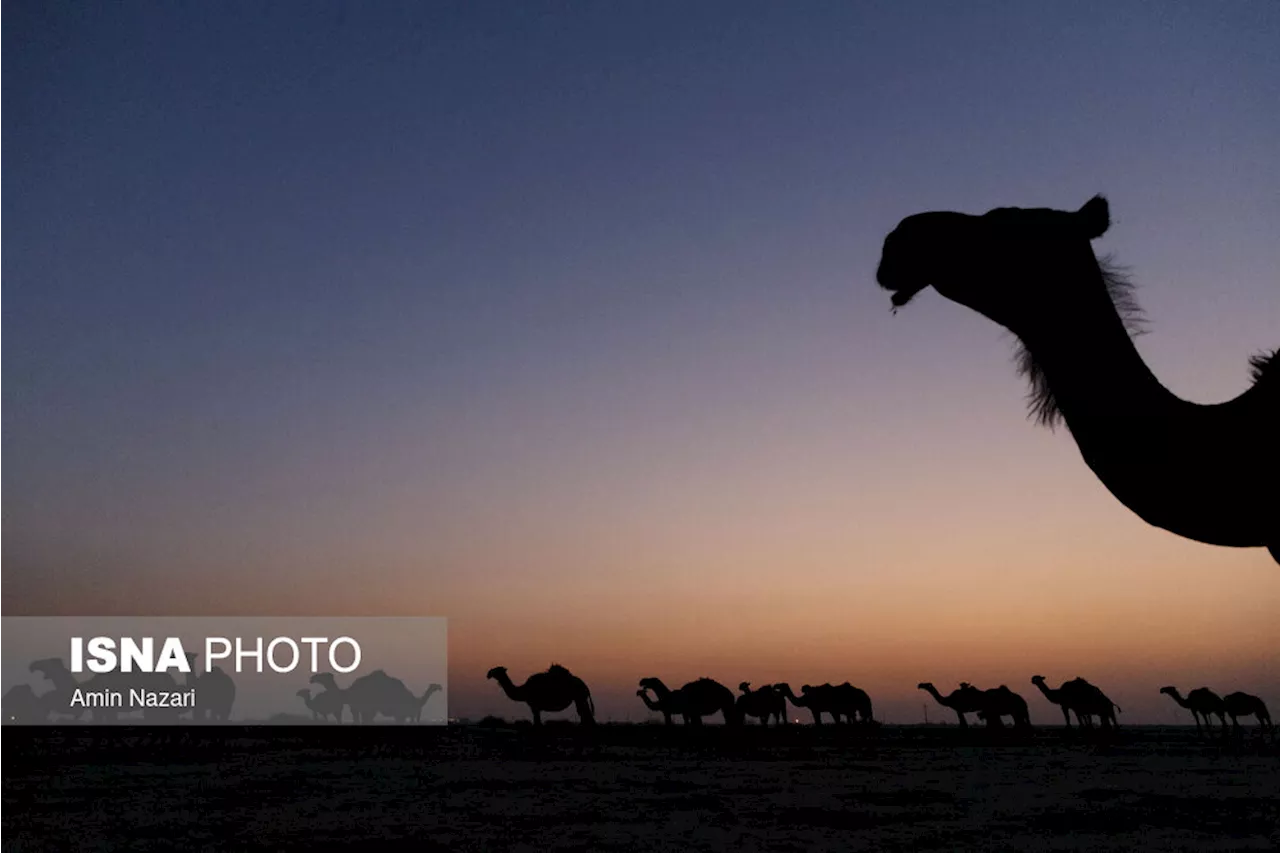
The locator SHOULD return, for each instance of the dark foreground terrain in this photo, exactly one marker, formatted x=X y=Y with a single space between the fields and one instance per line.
x=635 y=787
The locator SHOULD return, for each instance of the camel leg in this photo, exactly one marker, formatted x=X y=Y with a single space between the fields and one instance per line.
x=537 y=716
x=963 y=722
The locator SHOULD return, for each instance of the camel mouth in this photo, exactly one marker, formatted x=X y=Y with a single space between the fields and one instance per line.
x=903 y=288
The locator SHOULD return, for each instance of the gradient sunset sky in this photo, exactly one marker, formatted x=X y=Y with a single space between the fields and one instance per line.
x=559 y=320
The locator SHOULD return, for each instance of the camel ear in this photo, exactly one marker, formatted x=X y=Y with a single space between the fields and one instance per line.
x=1094 y=217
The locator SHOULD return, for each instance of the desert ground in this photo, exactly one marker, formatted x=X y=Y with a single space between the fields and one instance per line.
x=637 y=787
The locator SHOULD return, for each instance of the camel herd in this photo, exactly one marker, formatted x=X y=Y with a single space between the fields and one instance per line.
x=557 y=688
x=215 y=692
x=367 y=697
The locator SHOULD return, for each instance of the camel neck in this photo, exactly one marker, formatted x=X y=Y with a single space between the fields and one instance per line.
x=1091 y=362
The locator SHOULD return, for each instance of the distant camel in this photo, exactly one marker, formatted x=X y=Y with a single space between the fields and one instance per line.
x=324 y=704
x=376 y=693
x=1203 y=472
x=1093 y=703
x=764 y=704
x=1080 y=697
x=1058 y=698
x=22 y=705
x=1201 y=702
x=819 y=699
x=332 y=696
x=421 y=701
x=852 y=702
x=58 y=700
x=966 y=700
x=695 y=700
x=656 y=704
x=215 y=692
x=1244 y=705
x=551 y=691
x=379 y=693
x=1002 y=702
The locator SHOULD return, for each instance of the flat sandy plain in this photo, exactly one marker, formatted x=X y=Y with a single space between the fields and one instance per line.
x=636 y=787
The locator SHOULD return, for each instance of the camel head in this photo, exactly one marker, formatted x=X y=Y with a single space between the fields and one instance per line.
x=325 y=680
x=1038 y=680
x=745 y=687
x=996 y=263
x=47 y=666
x=498 y=672
x=305 y=693
x=1170 y=690
x=654 y=684
x=925 y=685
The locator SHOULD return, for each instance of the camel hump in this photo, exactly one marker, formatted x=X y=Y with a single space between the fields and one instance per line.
x=557 y=669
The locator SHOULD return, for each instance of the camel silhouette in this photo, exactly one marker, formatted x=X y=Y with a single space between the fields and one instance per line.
x=551 y=691
x=373 y=694
x=819 y=699
x=1240 y=704
x=1092 y=702
x=695 y=700
x=215 y=692
x=1082 y=698
x=324 y=704
x=1203 y=472
x=967 y=699
x=764 y=704
x=1001 y=702
x=332 y=696
x=657 y=704
x=58 y=700
x=1201 y=702
x=21 y=705
x=852 y=702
